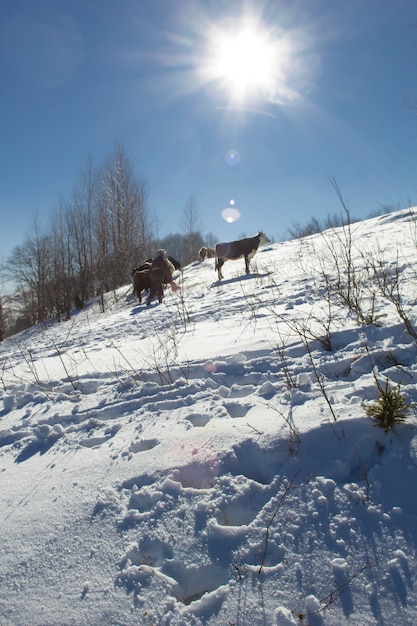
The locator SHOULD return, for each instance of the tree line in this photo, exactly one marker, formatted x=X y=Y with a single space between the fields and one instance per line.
x=95 y=239
x=91 y=246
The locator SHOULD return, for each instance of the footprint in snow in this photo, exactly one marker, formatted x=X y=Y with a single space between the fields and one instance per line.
x=236 y=409
x=198 y=420
x=141 y=445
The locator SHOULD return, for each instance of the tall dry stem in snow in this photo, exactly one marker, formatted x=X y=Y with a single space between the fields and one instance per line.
x=182 y=313
x=337 y=276
x=34 y=377
x=295 y=440
x=2 y=321
x=312 y=328
x=347 y=283
x=393 y=281
x=280 y=348
x=326 y=601
x=129 y=369
x=321 y=383
x=413 y=216
x=162 y=357
x=287 y=486
x=4 y=366
x=75 y=382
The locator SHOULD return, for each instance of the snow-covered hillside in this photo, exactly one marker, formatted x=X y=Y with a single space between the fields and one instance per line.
x=209 y=460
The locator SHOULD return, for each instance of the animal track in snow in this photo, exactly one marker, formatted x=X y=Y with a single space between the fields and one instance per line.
x=236 y=409
x=256 y=555
x=236 y=513
x=144 y=499
x=138 y=481
x=194 y=581
x=142 y=445
x=198 y=420
x=255 y=462
x=148 y=551
x=243 y=509
x=199 y=474
x=96 y=440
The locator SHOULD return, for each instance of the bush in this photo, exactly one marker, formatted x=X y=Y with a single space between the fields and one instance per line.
x=390 y=408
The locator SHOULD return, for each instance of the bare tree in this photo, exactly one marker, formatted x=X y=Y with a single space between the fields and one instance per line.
x=2 y=323
x=210 y=240
x=62 y=281
x=298 y=231
x=81 y=232
x=30 y=268
x=124 y=197
x=102 y=249
x=174 y=245
x=193 y=239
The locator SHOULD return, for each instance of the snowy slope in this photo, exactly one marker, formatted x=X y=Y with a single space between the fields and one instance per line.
x=207 y=460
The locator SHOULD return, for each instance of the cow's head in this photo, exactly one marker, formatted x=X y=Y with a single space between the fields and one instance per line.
x=263 y=239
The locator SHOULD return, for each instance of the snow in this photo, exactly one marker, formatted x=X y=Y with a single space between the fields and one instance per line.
x=207 y=460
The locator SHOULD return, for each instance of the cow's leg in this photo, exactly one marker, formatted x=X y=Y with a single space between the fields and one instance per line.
x=218 y=267
x=247 y=264
x=137 y=293
x=152 y=293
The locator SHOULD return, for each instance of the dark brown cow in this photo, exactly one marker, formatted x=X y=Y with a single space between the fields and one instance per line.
x=141 y=276
x=233 y=250
x=145 y=266
x=141 y=282
x=160 y=274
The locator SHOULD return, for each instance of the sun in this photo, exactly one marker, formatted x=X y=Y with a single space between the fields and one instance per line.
x=253 y=61
x=248 y=62
x=244 y=63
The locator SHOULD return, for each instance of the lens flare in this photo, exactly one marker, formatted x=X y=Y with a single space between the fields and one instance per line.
x=230 y=215
x=232 y=158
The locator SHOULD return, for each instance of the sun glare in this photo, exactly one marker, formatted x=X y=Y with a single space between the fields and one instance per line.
x=248 y=62
x=244 y=62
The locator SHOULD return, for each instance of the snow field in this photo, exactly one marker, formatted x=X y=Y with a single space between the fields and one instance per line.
x=197 y=463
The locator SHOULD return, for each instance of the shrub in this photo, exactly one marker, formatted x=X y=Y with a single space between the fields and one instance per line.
x=390 y=408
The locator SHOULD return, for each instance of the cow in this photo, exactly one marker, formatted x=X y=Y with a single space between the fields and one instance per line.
x=175 y=263
x=233 y=250
x=206 y=253
x=160 y=274
x=145 y=266
x=141 y=277
x=141 y=282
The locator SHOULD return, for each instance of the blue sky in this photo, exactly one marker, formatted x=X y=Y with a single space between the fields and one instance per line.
x=325 y=92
